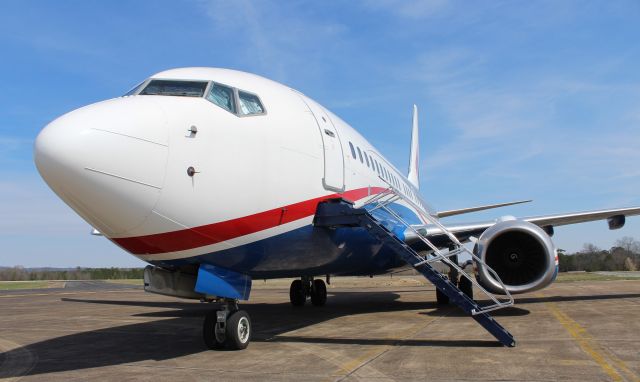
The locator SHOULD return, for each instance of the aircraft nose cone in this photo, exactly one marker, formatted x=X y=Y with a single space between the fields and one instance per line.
x=107 y=161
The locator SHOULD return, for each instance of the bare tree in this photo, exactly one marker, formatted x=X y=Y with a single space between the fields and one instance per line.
x=589 y=248
x=629 y=244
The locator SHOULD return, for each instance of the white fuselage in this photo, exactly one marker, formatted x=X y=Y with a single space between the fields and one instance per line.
x=122 y=165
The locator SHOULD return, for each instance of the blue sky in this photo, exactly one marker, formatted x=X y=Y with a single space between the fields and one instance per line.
x=518 y=99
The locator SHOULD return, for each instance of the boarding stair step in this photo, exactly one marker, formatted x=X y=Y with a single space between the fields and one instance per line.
x=340 y=213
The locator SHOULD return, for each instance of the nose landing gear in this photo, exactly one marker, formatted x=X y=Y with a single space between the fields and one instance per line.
x=300 y=290
x=227 y=328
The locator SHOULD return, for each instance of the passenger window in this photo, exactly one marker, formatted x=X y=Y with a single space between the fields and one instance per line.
x=366 y=158
x=222 y=96
x=353 y=151
x=249 y=104
x=360 y=155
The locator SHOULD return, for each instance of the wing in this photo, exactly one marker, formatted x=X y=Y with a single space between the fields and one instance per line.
x=444 y=214
x=615 y=218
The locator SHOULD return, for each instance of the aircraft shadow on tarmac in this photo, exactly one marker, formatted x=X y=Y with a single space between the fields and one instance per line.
x=180 y=333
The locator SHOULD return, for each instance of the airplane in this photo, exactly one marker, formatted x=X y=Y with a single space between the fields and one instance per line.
x=216 y=177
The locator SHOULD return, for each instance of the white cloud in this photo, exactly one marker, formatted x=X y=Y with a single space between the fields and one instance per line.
x=275 y=39
x=484 y=111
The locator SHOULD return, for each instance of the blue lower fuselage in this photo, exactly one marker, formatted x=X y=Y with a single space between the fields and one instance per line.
x=310 y=251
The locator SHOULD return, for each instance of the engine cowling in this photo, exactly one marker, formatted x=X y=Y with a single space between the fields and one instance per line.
x=521 y=253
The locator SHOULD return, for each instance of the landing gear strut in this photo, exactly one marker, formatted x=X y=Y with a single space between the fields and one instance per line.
x=300 y=290
x=463 y=283
x=227 y=328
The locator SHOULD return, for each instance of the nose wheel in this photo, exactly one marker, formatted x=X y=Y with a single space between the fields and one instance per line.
x=227 y=328
x=307 y=287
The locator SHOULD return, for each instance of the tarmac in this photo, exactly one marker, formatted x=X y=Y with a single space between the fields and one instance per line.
x=370 y=330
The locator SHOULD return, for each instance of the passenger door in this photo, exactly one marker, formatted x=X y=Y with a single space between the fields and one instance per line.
x=333 y=157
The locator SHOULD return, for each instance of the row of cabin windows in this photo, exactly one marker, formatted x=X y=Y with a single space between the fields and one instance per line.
x=380 y=169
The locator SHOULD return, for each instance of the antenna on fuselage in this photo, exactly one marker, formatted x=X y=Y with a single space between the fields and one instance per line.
x=414 y=155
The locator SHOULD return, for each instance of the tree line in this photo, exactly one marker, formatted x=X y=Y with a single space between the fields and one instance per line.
x=623 y=256
x=19 y=273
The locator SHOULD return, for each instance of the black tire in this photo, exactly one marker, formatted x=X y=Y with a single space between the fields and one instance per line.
x=238 y=330
x=209 y=332
x=318 y=293
x=296 y=293
x=441 y=298
x=466 y=286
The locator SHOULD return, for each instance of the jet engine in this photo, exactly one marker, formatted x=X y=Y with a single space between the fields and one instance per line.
x=521 y=253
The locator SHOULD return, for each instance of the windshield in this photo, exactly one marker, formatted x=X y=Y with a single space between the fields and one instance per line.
x=222 y=96
x=135 y=89
x=249 y=104
x=175 y=88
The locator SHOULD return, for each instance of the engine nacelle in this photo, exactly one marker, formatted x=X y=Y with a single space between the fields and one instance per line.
x=521 y=253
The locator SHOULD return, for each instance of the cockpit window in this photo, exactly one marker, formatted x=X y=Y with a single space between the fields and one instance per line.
x=175 y=88
x=135 y=89
x=235 y=101
x=249 y=104
x=222 y=96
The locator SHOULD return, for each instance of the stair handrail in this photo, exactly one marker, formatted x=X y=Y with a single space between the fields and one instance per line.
x=379 y=200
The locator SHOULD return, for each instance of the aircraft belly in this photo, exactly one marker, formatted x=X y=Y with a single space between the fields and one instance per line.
x=303 y=251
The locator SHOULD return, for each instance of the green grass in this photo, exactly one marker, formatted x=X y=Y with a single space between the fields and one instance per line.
x=339 y=281
x=16 y=285
x=587 y=276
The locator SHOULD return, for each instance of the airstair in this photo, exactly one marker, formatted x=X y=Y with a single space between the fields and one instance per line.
x=341 y=213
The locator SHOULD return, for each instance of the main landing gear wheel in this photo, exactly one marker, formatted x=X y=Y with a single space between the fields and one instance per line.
x=300 y=290
x=297 y=295
x=227 y=328
x=318 y=293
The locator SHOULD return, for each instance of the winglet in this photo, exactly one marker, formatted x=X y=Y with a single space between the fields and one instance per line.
x=414 y=155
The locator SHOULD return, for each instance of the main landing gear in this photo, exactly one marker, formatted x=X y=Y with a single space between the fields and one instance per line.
x=227 y=328
x=300 y=290
x=463 y=283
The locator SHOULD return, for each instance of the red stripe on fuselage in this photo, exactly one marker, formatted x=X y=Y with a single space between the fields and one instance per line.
x=217 y=232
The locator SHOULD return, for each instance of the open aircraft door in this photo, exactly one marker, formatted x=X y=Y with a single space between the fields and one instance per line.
x=333 y=157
